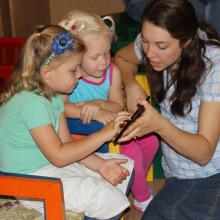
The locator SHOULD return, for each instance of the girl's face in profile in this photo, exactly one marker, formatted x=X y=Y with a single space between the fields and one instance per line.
x=64 y=78
x=162 y=50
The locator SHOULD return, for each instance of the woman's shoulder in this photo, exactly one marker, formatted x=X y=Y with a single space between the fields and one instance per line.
x=212 y=51
x=211 y=77
x=138 y=47
x=137 y=42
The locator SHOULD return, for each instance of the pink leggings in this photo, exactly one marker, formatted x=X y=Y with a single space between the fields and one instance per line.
x=142 y=151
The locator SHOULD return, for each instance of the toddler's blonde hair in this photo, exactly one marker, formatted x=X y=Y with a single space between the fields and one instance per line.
x=82 y=23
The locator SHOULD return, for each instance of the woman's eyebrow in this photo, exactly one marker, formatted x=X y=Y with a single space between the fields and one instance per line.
x=157 y=42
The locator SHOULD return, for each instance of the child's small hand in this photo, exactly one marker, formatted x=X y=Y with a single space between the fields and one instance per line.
x=113 y=172
x=88 y=111
x=104 y=116
x=112 y=128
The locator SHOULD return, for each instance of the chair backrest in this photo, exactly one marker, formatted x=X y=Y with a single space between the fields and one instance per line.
x=5 y=74
x=35 y=187
x=10 y=49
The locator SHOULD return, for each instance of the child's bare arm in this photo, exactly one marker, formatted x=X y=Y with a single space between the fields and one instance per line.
x=95 y=109
x=84 y=110
x=116 y=94
x=104 y=116
x=71 y=110
x=109 y=169
x=62 y=153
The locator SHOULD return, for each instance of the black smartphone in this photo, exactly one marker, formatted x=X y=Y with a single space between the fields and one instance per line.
x=136 y=115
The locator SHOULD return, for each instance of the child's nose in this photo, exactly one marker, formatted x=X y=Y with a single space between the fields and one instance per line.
x=103 y=62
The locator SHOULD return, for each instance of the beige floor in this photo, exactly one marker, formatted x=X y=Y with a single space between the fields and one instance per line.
x=133 y=214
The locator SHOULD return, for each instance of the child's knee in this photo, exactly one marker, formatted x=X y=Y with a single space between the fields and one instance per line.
x=109 y=202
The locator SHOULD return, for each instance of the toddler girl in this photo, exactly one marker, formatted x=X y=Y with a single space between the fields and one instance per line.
x=98 y=95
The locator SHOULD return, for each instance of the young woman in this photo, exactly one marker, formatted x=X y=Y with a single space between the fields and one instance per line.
x=183 y=64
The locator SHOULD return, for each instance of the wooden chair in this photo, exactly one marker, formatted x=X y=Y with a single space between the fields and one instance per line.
x=47 y=189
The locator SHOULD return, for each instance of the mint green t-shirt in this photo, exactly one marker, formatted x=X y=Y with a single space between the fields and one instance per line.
x=18 y=151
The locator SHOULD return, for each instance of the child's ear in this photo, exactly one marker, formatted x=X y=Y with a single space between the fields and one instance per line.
x=46 y=72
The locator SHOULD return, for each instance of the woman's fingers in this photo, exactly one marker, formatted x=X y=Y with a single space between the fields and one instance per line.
x=129 y=135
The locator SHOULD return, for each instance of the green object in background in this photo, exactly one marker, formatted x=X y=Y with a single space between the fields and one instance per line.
x=158 y=170
x=126 y=31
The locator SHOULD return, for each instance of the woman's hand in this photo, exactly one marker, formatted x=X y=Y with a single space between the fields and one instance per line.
x=113 y=172
x=134 y=92
x=147 y=123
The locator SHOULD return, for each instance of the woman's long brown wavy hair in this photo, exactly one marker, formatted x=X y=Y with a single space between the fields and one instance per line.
x=179 y=19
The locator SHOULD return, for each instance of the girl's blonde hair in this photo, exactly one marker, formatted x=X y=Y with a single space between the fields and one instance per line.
x=83 y=23
x=36 y=50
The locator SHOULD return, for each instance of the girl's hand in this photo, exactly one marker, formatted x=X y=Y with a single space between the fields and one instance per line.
x=104 y=116
x=113 y=172
x=147 y=123
x=112 y=128
x=88 y=111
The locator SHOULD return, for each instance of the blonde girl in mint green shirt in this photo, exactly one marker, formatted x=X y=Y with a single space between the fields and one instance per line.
x=34 y=138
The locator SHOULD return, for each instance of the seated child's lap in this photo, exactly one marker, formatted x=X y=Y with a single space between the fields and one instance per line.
x=86 y=191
